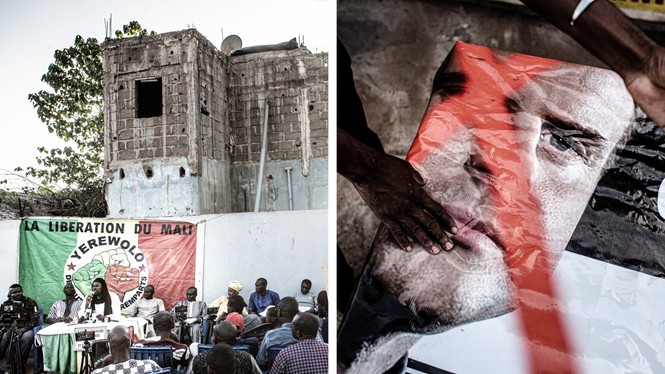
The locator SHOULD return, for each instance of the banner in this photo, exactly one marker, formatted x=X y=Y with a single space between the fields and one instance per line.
x=127 y=254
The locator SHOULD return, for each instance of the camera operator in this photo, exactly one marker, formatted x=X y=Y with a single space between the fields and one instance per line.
x=19 y=314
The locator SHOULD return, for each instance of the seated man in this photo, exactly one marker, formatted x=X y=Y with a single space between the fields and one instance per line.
x=515 y=173
x=225 y=333
x=146 y=308
x=188 y=324
x=164 y=322
x=322 y=302
x=236 y=304
x=252 y=342
x=22 y=311
x=262 y=297
x=65 y=310
x=281 y=336
x=306 y=299
x=222 y=360
x=222 y=302
x=308 y=356
x=119 y=343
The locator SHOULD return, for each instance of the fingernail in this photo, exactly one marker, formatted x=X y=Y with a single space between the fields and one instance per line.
x=435 y=249
x=408 y=248
x=454 y=230
x=449 y=246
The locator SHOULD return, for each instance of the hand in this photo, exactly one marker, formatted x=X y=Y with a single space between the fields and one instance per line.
x=121 y=279
x=648 y=87
x=393 y=191
x=65 y=319
x=100 y=317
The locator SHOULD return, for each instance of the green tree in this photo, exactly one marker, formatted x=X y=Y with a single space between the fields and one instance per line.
x=73 y=109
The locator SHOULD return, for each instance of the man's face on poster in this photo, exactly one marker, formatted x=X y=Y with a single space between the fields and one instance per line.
x=559 y=130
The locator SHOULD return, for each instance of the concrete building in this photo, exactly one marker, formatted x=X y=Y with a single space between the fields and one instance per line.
x=184 y=124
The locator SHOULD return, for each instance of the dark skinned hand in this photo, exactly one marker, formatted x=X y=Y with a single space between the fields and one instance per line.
x=393 y=191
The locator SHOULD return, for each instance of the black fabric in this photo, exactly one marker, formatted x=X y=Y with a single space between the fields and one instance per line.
x=621 y=224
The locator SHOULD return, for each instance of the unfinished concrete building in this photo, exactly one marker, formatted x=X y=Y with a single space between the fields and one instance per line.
x=184 y=125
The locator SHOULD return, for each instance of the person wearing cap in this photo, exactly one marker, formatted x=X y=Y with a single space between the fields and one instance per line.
x=221 y=302
x=237 y=304
x=239 y=322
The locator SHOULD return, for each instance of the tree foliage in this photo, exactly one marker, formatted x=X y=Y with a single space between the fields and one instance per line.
x=73 y=110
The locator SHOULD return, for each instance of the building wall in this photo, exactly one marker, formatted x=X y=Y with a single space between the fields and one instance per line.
x=184 y=161
x=295 y=86
x=272 y=245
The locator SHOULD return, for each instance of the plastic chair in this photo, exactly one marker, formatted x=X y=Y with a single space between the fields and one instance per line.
x=272 y=355
x=161 y=354
x=162 y=371
x=240 y=347
x=205 y=327
x=38 y=355
x=204 y=347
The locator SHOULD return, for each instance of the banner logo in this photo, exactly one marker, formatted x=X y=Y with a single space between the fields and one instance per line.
x=115 y=259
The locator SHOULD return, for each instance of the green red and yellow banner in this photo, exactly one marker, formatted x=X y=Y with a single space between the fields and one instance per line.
x=128 y=254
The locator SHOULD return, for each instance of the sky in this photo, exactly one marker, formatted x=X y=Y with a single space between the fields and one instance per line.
x=31 y=30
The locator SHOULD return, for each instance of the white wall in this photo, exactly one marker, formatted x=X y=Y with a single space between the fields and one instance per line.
x=284 y=247
x=9 y=232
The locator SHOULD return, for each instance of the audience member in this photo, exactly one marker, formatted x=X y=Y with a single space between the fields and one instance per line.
x=306 y=299
x=225 y=333
x=222 y=302
x=308 y=356
x=237 y=304
x=19 y=303
x=322 y=302
x=100 y=302
x=65 y=310
x=146 y=308
x=164 y=323
x=119 y=342
x=262 y=297
x=222 y=360
x=270 y=316
x=286 y=309
x=188 y=325
x=252 y=342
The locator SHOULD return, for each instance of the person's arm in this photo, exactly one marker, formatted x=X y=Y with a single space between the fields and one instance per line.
x=393 y=190
x=53 y=315
x=34 y=315
x=612 y=37
x=252 y=308
x=160 y=306
x=275 y=298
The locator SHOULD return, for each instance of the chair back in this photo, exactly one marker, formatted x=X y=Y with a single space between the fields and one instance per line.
x=205 y=329
x=161 y=354
x=240 y=347
x=272 y=355
x=161 y=371
x=204 y=348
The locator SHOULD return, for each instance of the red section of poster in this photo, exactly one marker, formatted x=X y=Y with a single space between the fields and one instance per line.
x=170 y=248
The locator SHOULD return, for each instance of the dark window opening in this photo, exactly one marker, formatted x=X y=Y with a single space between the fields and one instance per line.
x=122 y=174
x=149 y=98
x=182 y=172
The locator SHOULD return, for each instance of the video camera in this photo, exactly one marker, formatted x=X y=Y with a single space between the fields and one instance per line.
x=14 y=311
x=212 y=313
x=181 y=312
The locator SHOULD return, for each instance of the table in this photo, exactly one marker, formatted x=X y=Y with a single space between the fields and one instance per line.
x=57 y=342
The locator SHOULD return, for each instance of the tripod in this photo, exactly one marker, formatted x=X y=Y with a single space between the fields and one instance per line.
x=87 y=362
x=15 y=359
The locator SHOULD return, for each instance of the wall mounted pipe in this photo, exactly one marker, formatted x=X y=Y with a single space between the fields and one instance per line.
x=288 y=181
x=262 y=161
